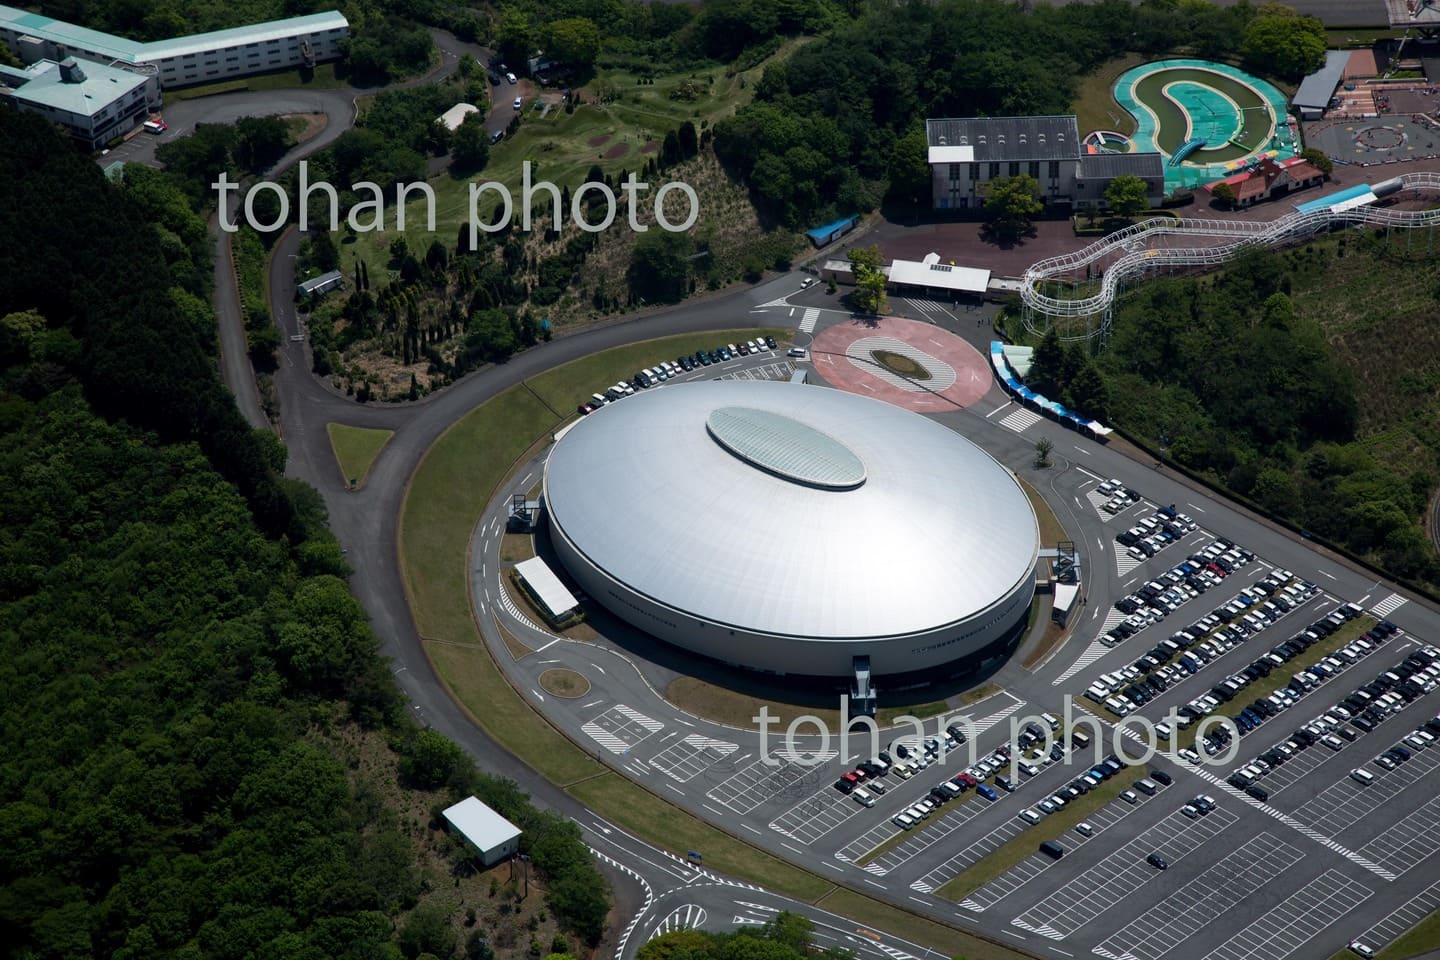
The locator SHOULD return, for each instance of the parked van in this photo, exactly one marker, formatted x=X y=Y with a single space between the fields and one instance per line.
x=1080 y=739
x=1052 y=849
x=863 y=797
x=1051 y=719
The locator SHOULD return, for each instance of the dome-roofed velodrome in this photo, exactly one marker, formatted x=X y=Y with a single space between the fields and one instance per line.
x=791 y=528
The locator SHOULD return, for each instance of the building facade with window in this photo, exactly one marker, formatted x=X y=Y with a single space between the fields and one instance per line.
x=965 y=154
x=198 y=58
x=92 y=102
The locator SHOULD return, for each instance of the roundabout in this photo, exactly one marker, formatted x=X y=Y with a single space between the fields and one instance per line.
x=908 y=363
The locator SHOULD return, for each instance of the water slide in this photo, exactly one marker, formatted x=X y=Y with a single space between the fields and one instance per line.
x=1186 y=148
x=1166 y=243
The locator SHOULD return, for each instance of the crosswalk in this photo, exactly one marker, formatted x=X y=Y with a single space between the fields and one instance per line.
x=1124 y=563
x=1094 y=652
x=514 y=611
x=930 y=308
x=1221 y=784
x=1020 y=420
x=1388 y=606
x=808 y=321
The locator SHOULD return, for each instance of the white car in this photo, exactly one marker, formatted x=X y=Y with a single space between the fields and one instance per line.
x=1029 y=816
x=806 y=282
x=517 y=103
x=510 y=78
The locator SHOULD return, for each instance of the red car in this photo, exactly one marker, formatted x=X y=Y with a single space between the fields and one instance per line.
x=966 y=780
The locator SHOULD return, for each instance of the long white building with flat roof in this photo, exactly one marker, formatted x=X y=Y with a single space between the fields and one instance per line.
x=198 y=58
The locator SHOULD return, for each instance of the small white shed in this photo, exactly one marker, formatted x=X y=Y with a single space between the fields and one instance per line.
x=495 y=837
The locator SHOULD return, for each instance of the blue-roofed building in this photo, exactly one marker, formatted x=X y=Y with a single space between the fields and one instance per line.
x=198 y=58
x=830 y=232
x=93 y=102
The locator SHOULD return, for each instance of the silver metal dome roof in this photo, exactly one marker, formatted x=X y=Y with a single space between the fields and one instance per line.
x=817 y=513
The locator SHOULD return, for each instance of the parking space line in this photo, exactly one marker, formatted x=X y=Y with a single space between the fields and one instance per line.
x=1179 y=916
x=1028 y=869
x=1400 y=920
x=1409 y=841
x=816 y=815
x=1118 y=876
x=745 y=789
x=1296 y=921
x=926 y=838
x=1345 y=803
x=867 y=841
x=684 y=760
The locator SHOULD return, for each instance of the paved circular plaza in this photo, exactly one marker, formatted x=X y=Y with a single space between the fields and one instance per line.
x=911 y=364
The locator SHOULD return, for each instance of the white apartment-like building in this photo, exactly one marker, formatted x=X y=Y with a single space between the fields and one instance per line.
x=966 y=153
x=93 y=102
x=199 y=58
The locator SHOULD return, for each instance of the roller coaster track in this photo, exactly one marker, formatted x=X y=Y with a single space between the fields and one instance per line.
x=1149 y=247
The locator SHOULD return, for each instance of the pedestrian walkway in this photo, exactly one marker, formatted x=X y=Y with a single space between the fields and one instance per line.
x=808 y=321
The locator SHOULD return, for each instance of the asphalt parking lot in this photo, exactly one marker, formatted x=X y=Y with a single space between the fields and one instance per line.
x=1292 y=924
x=1345 y=803
x=686 y=759
x=1214 y=892
x=1400 y=920
x=1034 y=865
x=1121 y=874
x=1409 y=842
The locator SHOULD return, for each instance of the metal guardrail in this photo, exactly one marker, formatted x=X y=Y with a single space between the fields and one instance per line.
x=1141 y=248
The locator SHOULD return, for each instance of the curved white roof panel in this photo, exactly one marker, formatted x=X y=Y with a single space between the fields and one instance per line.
x=818 y=514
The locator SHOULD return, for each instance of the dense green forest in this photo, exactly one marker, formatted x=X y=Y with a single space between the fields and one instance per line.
x=183 y=664
x=787 y=937
x=1265 y=379
x=840 y=125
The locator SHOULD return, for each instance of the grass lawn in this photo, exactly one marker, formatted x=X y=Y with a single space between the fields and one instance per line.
x=980 y=693
x=566 y=387
x=515 y=547
x=1094 y=105
x=619 y=126
x=1051 y=532
x=356 y=449
x=644 y=814
x=564 y=683
x=1424 y=937
x=1052 y=827
x=849 y=905
x=739 y=709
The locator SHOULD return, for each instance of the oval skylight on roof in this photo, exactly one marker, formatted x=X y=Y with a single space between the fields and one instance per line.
x=786 y=448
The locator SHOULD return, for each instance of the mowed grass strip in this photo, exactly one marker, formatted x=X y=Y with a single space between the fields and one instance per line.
x=1053 y=827
x=356 y=449
x=1051 y=531
x=919 y=828
x=1094 y=105
x=571 y=384
x=646 y=815
x=448 y=491
x=851 y=906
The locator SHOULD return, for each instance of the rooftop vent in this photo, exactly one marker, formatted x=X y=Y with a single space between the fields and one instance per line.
x=70 y=71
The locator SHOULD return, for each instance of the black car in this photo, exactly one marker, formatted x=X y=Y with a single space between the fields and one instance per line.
x=1258 y=792
x=1157 y=861
x=770 y=342
x=1161 y=777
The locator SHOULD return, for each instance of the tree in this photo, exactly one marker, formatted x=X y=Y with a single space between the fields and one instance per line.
x=909 y=167
x=660 y=267
x=323 y=252
x=870 y=279
x=574 y=41
x=1224 y=194
x=688 y=139
x=1283 y=43
x=470 y=147
x=1126 y=195
x=514 y=37
x=1011 y=203
x=1046 y=364
x=1043 y=448
x=1319 y=159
